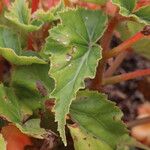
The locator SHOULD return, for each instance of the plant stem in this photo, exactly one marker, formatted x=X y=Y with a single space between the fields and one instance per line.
x=137 y=122
x=96 y=82
x=122 y=47
x=106 y=40
x=126 y=76
x=116 y=63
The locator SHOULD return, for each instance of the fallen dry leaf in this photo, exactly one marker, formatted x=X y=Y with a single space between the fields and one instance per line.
x=15 y=139
x=142 y=132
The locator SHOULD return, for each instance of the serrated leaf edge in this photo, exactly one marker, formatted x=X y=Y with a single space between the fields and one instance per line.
x=62 y=131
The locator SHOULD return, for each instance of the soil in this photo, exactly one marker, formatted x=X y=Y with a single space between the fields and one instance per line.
x=130 y=94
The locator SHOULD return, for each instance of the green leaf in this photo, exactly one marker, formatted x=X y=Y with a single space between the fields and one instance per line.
x=126 y=6
x=10 y=49
x=84 y=141
x=13 y=58
x=10 y=108
x=42 y=16
x=48 y=16
x=143 y=14
x=75 y=56
x=98 y=116
x=128 y=143
x=32 y=128
x=96 y=1
x=32 y=84
x=20 y=15
x=31 y=89
x=128 y=29
x=9 y=39
x=2 y=143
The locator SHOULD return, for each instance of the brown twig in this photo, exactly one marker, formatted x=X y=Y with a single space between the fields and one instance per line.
x=137 y=122
x=96 y=82
x=128 y=43
x=126 y=76
x=106 y=40
x=116 y=63
x=124 y=46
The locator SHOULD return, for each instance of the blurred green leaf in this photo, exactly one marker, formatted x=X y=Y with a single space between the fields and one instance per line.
x=48 y=16
x=20 y=15
x=127 y=8
x=10 y=49
x=98 y=116
x=10 y=108
x=2 y=143
x=128 y=29
x=32 y=84
x=84 y=141
x=32 y=128
x=144 y=14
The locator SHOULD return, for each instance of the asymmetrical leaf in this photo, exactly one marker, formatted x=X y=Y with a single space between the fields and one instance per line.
x=9 y=105
x=75 y=55
x=128 y=29
x=13 y=58
x=84 y=141
x=127 y=8
x=32 y=84
x=9 y=39
x=11 y=110
x=98 y=116
x=31 y=89
x=128 y=143
x=2 y=143
x=42 y=16
x=10 y=49
x=20 y=15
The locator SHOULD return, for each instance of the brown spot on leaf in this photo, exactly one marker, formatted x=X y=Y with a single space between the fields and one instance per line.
x=50 y=141
x=40 y=87
x=75 y=138
x=5 y=98
x=84 y=138
x=49 y=104
x=146 y=30
x=94 y=137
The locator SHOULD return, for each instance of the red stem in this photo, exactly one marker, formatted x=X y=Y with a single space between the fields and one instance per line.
x=116 y=63
x=105 y=45
x=7 y=3
x=126 y=76
x=126 y=44
x=35 y=4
